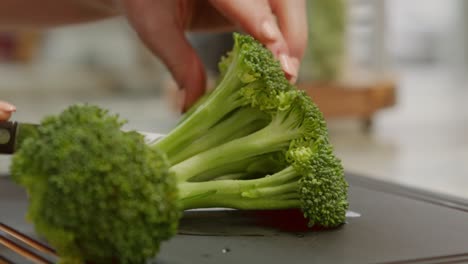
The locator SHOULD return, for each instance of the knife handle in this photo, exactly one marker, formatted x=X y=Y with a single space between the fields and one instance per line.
x=7 y=137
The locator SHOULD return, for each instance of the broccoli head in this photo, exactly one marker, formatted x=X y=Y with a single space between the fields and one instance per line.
x=97 y=193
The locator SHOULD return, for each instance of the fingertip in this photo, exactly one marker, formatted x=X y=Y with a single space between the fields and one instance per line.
x=194 y=84
x=180 y=101
x=295 y=64
x=7 y=107
x=4 y=116
x=293 y=80
x=290 y=67
x=286 y=64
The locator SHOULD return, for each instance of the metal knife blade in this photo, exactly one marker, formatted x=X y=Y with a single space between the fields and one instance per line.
x=12 y=135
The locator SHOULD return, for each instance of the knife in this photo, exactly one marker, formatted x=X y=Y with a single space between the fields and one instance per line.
x=12 y=134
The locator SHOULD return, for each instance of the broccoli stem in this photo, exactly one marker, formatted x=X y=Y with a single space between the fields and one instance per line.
x=242 y=169
x=223 y=101
x=274 y=137
x=230 y=168
x=272 y=191
x=199 y=122
x=277 y=191
x=241 y=203
x=235 y=176
x=238 y=124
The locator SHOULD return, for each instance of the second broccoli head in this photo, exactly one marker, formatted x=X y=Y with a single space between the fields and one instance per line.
x=255 y=142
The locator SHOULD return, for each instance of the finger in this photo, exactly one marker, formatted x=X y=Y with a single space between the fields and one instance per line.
x=292 y=21
x=295 y=64
x=4 y=116
x=256 y=18
x=6 y=110
x=205 y=17
x=165 y=38
x=183 y=63
x=7 y=107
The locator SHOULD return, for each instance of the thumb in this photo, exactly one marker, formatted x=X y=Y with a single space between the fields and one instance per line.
x=165 y=37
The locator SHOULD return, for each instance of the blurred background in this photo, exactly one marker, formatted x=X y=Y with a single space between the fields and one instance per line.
x=390 y=77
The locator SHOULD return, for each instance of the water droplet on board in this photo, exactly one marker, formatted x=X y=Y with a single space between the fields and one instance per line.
x=225 y=250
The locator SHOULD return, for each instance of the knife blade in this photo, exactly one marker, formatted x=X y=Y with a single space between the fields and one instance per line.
x=12 y=134
x=11 y=137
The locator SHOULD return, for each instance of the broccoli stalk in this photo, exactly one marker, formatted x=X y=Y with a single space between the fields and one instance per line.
x=249 y=168
x=98 y=193
x=300 y=185
x=240 y=123
x=297 y=120
x=277 y=191
x=250 y=77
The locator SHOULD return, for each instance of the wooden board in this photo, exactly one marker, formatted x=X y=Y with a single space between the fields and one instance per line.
x=351 y=101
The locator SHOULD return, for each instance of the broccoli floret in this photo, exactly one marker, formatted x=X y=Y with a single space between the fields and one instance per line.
x=255 y=142
x=97 y=193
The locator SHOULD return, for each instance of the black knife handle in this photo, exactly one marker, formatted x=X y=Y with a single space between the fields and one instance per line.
x=7 y=137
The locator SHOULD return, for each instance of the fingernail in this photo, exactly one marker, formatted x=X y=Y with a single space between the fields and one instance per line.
x=295 y=63
x=7 y=107
x=286 y=64
x=295 y=67
x=181 y=100
x=270 y=30
x=12 y=108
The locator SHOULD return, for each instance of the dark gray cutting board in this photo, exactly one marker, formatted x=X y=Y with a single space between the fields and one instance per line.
x=396 y=225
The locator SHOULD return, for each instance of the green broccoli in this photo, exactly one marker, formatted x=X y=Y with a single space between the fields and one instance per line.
x=98 y=193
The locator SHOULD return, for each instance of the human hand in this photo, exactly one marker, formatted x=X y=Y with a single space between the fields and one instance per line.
x=279 y=24
x=6 y=110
